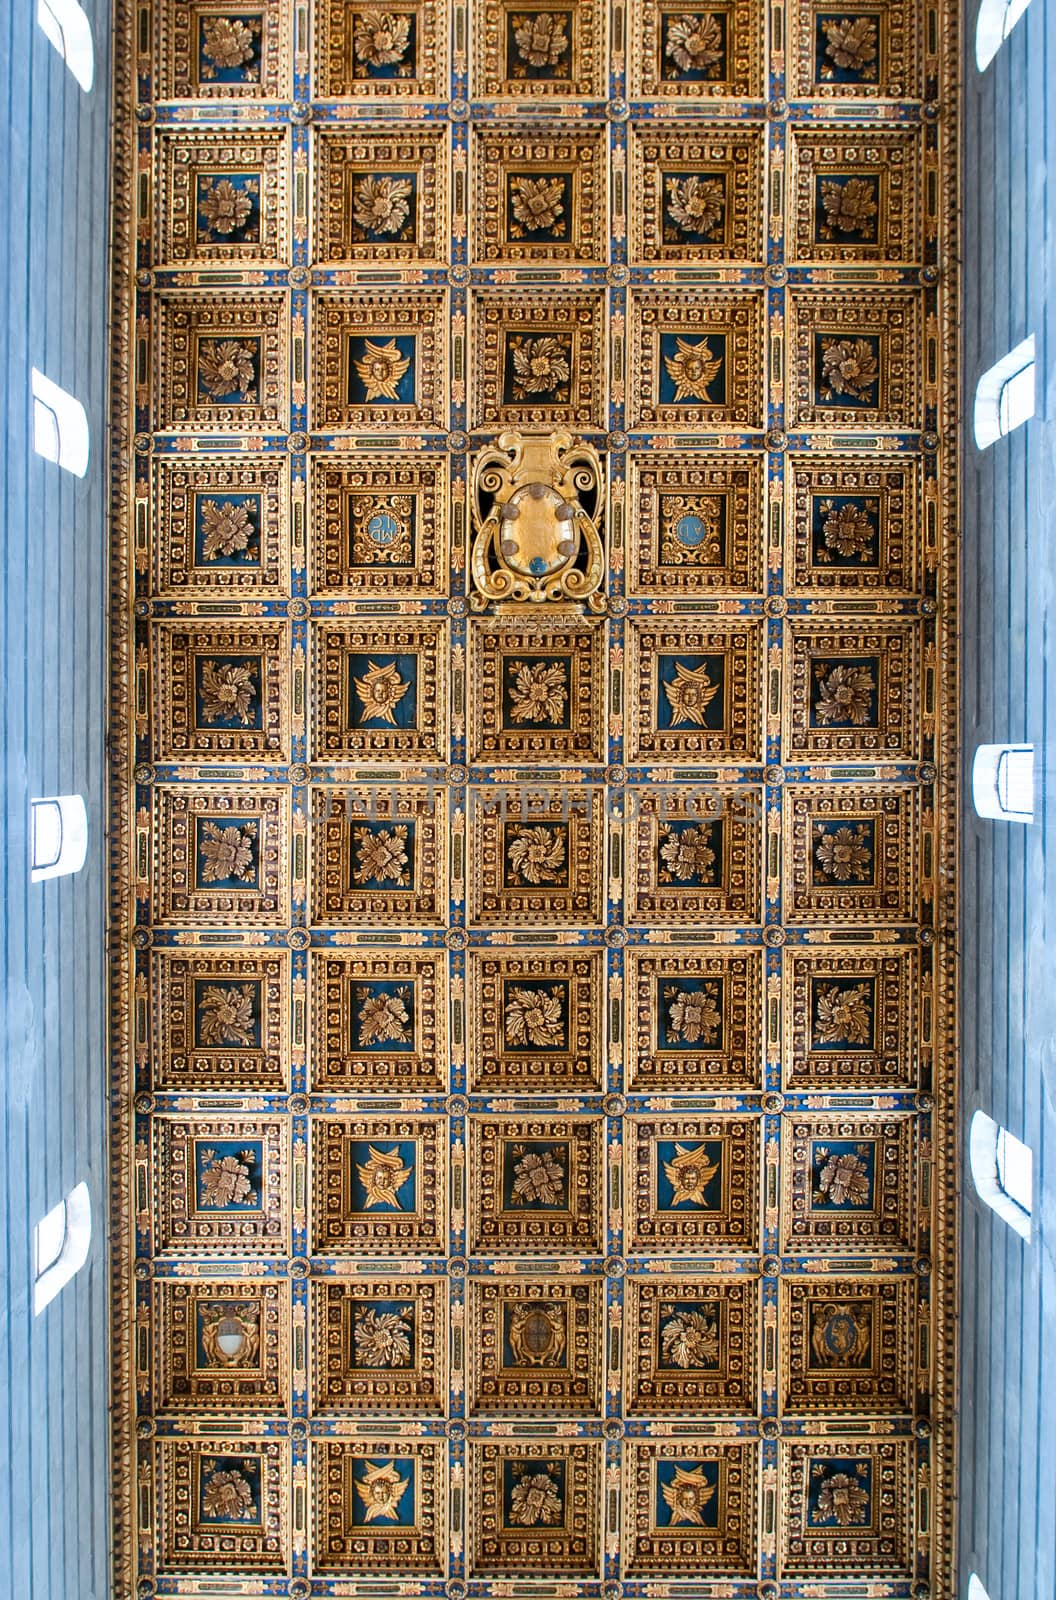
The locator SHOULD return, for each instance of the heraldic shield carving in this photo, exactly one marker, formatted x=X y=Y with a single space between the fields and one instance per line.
x=537 y=511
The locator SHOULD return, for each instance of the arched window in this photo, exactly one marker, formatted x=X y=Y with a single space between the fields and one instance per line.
x=60 y=426
x=60 y=1245
x=994 y=23
x=58 y=836
x=1004 y=395
x=976 y=1590
x=1002 y=1170
x=1003 y=782
x=66 y=24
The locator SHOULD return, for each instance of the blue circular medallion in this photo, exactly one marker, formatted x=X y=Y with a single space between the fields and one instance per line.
x=690 y=530
x=383 y=527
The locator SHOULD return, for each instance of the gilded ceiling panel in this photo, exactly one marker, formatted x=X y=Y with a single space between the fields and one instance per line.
x=533 y=605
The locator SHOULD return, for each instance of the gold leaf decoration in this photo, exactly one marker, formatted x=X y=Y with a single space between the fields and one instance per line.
x=381 y=1489
x=692 y=370
x=694 y=44
x=848 y=530
x=541 y=39
x=381 y=689
x=227 y=529
x=538 y=1179
x=382 y=1338
x=226 y=1180
x=845 y=1177
x=383 y=1017
x=227 y=1496
x=691 y=694
x=686 y=855
x=852 y=45
x=224 y=207
x=536 y=854
x=383 y=1176
x=535 y=1500
x=848 y=367
x=689 y=1340
x=534 y=1017
x=540 y=366
x=228 y=690
x=227 y=852
x=845 y=695
x=381 y=38
x=686 y=1496
x=381 y=204
x=227 y=367
x=845 y=855
x=227 y=44
x=693 y=1015
x=843 y=1016
x=380 y=370
x=540 y=691
x=842 y=1500
x=226 y=1015
x=537 y=202
x=697 y=204
x=689 y=1172
x=381 y=857
x=850 y=206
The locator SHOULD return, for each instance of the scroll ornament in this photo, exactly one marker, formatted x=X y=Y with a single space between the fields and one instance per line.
x=537 y=508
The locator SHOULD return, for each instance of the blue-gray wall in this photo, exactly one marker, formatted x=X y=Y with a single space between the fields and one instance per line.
x=1008 y=940
x=54 y=163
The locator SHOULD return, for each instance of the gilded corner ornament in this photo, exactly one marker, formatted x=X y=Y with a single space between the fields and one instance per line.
x=537 y=505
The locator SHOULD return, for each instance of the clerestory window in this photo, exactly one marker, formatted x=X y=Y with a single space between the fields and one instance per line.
x=66 y=24
x=993 y=24
x=1002 y=1168
x=58 y=836
x=1003 y=782
x=1004 y=395
x=60 y=426
x=61 y=1240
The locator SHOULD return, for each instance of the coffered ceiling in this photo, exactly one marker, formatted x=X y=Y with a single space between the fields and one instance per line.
x=533 y=857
